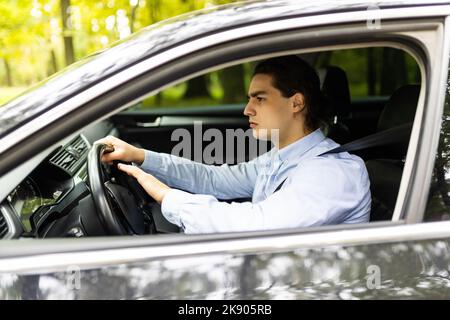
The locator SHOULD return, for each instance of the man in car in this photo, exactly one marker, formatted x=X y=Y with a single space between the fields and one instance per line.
x=292 y=185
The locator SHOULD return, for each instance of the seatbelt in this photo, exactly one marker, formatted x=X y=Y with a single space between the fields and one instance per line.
x=382 y=138
x=389 y=136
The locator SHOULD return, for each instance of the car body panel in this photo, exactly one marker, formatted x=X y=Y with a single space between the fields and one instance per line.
x=384 y=262
x=336 y=272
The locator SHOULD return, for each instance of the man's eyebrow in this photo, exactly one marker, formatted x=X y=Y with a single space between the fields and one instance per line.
x=256 y=93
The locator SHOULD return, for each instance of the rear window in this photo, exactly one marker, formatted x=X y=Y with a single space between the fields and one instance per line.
x=372 y=72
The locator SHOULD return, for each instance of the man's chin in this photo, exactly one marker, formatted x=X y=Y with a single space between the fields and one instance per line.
x=261 y=134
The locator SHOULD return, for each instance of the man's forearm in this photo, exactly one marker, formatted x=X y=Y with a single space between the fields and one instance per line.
x=224 y=182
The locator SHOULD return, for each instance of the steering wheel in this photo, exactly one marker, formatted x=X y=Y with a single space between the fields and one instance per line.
x=116 y=206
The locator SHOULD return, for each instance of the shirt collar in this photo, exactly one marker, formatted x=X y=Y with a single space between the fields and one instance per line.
x=301 y=146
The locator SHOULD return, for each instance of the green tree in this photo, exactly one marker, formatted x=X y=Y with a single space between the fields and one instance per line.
x=66 y=18
x=39 y=36
x=232 y=82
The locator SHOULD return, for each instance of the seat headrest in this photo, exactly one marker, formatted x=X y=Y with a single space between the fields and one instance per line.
x=401 y=107
x=334 y=84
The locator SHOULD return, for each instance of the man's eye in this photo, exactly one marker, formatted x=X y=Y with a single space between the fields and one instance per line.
x=259 y=99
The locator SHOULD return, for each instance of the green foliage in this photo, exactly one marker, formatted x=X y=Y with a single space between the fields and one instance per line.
x=32 y=48
x=7 y=93
x=31 y=31
x=388 y=74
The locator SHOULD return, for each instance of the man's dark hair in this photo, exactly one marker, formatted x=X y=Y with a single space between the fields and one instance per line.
x=290 y=75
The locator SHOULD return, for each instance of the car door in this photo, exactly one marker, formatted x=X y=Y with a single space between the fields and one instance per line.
x=400 y=258
x=321 y=265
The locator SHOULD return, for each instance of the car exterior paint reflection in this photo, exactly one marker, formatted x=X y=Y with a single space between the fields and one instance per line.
x=327 y=273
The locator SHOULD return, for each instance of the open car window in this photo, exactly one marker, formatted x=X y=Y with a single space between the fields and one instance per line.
x=151 y=122
x=215 y=101
x=363 y=98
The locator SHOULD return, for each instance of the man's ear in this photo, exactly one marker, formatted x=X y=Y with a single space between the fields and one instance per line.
x=298 y=102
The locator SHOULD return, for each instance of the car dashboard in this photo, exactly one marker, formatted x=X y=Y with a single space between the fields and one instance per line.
x=41 y=204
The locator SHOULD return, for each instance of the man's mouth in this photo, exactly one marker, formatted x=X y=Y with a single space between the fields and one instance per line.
x=252 y=124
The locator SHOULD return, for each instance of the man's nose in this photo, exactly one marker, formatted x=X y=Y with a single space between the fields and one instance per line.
x=249 y=110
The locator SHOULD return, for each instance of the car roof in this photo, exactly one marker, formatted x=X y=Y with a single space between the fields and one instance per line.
x=162 y=36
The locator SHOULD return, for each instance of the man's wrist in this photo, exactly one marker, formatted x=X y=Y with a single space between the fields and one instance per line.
x=139 y=156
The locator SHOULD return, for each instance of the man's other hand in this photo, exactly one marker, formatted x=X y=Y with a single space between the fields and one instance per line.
x=155 y=188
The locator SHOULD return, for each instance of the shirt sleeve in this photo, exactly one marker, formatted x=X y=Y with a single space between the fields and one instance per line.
x=317 y=193
x=223 y=182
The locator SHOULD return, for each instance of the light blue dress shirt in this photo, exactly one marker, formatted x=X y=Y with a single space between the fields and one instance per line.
x=319 y=190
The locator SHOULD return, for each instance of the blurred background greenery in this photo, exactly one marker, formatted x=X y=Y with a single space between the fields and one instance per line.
x=40 y=37
x=35 y=43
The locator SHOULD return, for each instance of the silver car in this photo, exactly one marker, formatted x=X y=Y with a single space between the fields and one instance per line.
x=66 y=234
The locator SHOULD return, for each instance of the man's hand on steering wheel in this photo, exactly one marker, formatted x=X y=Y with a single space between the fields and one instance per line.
x=122 y=151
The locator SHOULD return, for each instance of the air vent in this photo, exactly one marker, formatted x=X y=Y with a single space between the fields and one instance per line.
x=3 y=226
x=71 y=156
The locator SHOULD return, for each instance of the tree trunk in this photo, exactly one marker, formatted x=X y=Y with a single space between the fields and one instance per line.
x=371 y=72
x=232 y=81
x=133 y=16
x=153 y=7
x=67 y=32
x=53 y=67
x=387 y=81
x=9 y=80
x=197 y=87
x=393 y=71
x=158 y=99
